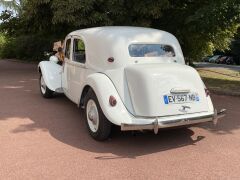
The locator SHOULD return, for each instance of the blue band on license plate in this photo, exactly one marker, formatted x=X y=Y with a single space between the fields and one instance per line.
x=166 y=99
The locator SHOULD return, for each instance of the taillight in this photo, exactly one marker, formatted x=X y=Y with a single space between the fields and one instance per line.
x=112 y=101
x=207 y=92
x=111 y=59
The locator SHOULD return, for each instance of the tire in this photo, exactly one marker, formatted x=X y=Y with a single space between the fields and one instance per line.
x=98 y=125
x=45 y=91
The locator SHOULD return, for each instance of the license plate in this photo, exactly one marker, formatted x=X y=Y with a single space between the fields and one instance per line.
x=180 y=98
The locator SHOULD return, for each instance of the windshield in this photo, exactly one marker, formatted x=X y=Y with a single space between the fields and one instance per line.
x=150 y=50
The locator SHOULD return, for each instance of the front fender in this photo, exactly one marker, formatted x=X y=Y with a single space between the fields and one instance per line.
x=51 y=73
x=104 y=88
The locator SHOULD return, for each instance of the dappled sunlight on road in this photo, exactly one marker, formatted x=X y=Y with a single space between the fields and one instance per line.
x=18 y=124
x=12 y=87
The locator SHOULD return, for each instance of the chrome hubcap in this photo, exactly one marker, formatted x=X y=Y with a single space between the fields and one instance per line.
x=92 y=115
x=43 y=85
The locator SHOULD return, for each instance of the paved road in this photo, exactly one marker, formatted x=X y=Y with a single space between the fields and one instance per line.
x=213 y=65
x=47 y=139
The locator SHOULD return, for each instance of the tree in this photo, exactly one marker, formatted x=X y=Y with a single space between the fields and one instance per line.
x=235 y=47
x=201 y=26
x=11 y=4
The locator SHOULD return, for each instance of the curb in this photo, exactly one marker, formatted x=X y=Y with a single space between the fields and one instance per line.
x=225 y=93
x=237 y=76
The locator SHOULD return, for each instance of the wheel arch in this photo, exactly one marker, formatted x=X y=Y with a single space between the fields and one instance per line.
x=39 y=70
x=103 y=87
x=83 y=95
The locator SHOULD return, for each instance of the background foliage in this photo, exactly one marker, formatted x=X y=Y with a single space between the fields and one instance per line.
x=201 y=26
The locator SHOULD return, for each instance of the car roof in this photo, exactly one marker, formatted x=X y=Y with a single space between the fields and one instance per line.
x=113 y=41
x=119 y=31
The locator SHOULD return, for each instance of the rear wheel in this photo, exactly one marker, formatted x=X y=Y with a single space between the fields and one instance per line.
x=98 y=125
x=45 y=91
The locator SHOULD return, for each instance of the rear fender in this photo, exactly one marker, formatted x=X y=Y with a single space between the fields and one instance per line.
x=104 y=88
x=51 y=73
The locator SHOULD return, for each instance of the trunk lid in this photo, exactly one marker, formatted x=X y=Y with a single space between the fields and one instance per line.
x=165 y=90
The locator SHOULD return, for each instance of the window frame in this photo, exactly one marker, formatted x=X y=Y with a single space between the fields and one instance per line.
x=65 y=48
x=73 y=49
x=142 y=43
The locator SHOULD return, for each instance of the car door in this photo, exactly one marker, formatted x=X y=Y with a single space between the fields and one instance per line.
x=67 y=66
x=77 y=70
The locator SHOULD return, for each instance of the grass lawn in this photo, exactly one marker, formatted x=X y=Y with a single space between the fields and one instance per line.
x=221 y=80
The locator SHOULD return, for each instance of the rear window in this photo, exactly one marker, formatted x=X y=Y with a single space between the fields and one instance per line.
x=151 y=50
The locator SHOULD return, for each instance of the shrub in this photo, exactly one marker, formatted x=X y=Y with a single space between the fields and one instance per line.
x=29 y=47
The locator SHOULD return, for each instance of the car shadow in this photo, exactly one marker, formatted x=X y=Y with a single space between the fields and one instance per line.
x=69 y=128
x=64 y=122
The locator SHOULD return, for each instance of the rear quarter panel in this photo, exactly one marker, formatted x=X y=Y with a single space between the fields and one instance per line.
x=104 y=88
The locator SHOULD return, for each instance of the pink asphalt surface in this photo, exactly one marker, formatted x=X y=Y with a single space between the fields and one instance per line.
x=47 y=139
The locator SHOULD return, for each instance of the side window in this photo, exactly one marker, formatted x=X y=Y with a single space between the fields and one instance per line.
x=68 y=48
x=79 y=51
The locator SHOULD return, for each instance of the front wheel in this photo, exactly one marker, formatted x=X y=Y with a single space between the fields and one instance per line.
x=98 y=125
x=45 y=91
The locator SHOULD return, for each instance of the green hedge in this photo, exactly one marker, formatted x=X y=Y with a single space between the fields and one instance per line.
x=29 y=47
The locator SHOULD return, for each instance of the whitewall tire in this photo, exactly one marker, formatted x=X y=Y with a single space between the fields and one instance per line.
x=98 y=125
x=45 y=91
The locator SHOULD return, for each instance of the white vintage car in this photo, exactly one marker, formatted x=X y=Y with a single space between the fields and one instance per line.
x=132 y=77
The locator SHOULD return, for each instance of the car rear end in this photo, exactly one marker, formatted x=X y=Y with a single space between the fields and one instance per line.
x=156 y=88
x=165 y=94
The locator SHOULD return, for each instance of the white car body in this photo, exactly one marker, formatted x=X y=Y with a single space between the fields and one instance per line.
x=139 y=84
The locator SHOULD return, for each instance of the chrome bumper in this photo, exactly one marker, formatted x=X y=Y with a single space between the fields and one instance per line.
x=156 y=125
